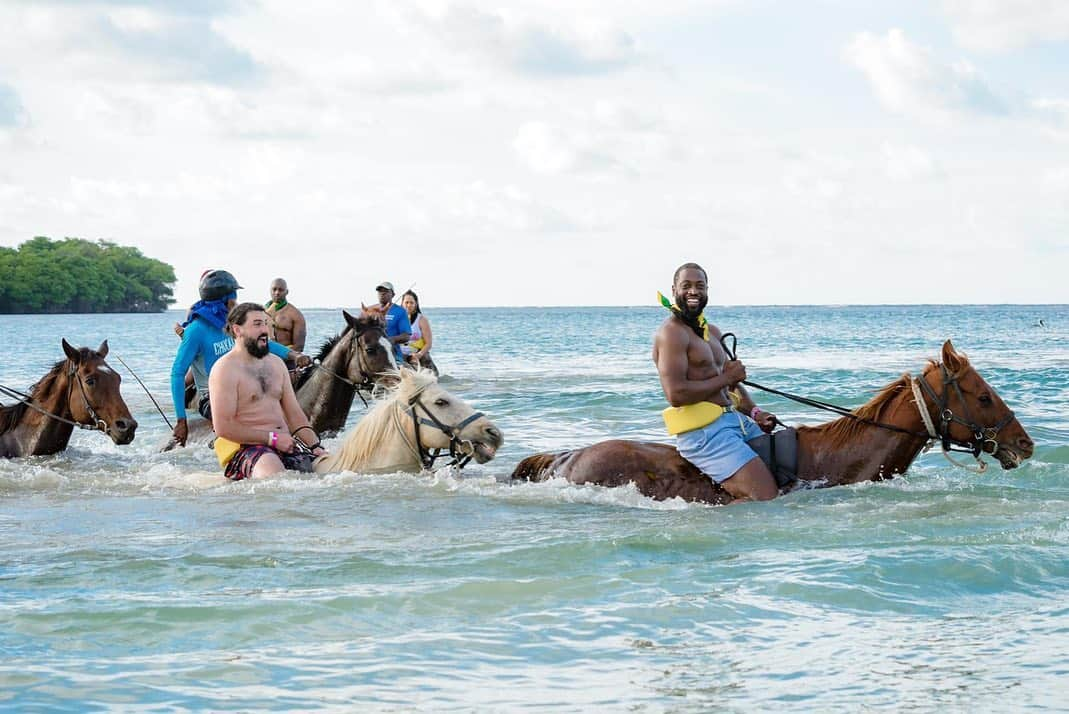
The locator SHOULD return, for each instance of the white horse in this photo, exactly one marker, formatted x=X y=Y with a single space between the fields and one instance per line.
x=408 y=430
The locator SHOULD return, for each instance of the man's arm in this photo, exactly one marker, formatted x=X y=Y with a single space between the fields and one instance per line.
x=187 y=352
x=404 y=328
x=300 y=330
x=672 y=369
x=296 y=419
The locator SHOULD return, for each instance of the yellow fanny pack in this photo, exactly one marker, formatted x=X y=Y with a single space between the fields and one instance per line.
x=225 y=450
x=417 y=344
x=678 y=420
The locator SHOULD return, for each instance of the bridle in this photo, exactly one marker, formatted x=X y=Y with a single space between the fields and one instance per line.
x=428 y=457
x=27 y=399
x=368 y=382
x=982 y=436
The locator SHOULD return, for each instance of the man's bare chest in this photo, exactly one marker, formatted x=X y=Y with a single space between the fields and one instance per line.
x=259 y=383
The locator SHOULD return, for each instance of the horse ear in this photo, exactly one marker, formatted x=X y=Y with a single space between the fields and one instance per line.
x=951 y=358
x=349 y=319
x=103 y=349
x=72 y=354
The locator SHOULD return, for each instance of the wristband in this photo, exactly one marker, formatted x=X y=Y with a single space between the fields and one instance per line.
x=274 y=439
x=754 y=412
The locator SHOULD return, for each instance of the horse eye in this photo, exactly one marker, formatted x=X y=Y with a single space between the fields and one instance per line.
x=90 y=381
x=985 y=399
x=441 y=402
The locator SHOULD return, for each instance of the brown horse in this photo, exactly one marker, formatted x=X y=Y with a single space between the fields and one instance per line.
x=358 y=358
x=848 y=450
x=82 y=391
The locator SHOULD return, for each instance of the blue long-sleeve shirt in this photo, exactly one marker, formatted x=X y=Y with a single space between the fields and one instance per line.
x=202 y=345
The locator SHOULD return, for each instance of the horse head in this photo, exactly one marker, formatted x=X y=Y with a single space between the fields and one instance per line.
x=445 y=421
x=372 y=354
x=93 y=395
x=970 y=412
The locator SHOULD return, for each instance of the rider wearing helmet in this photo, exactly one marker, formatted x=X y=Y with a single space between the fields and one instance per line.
x=204 y=342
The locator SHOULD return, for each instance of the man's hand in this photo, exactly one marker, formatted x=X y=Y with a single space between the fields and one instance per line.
x=319 y=451
x=181 y=432
x=301 y=360
x=285 y=443
x=735 y=371
x=766 y=420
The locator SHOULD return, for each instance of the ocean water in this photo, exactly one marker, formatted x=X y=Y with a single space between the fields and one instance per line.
x=125 y=585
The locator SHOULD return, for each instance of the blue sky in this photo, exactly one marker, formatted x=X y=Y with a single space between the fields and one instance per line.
x=547 y=153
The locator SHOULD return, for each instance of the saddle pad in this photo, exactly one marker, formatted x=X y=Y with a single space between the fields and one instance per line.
x=779 y=451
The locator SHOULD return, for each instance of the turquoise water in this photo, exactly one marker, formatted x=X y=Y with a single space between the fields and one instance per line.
x=126 y=585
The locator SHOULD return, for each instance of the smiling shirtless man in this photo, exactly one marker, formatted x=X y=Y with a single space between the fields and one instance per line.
x=254 y=410
x=696 y=374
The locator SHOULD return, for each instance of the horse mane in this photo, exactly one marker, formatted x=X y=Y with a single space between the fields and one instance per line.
x=845 y=430
x=10 y=416
x=365 y=438
x=305 y=375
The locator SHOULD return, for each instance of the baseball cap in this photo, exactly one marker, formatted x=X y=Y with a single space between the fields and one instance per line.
x=385 y=285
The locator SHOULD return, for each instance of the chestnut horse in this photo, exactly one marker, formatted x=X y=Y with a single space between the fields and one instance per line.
x=81 y=391
x=358 y=358
x=881 y=440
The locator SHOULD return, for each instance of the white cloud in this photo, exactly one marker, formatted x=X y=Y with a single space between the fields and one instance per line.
x=996 y=25
x=537 y=46
x=551 y=150
x=910 y=80
x=906 y=162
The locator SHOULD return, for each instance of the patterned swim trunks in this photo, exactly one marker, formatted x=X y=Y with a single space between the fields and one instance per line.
x=242 y=463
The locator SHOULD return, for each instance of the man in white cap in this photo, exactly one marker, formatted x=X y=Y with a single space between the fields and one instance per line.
x=398 y=328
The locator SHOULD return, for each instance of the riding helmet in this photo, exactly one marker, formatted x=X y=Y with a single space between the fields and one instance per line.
x=217 y=284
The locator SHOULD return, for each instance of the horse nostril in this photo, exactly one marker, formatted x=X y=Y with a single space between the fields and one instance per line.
x=492 y=431
x=1025 y=443
x=125 y=425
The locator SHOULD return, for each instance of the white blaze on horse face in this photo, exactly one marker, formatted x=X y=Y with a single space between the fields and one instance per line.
x=103 y=369
x=388 y=346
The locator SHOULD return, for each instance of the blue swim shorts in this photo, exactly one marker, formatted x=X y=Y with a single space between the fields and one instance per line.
x=719 y=450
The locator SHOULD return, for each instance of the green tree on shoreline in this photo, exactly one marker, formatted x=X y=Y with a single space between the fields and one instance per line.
x=75 y=275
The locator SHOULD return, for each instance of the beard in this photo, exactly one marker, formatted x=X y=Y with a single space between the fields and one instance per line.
x=685 y=311
x=254 y=348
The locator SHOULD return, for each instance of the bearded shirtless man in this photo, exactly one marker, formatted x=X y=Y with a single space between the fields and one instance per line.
x=289 y=325
x=694 y=368
x=254 y=410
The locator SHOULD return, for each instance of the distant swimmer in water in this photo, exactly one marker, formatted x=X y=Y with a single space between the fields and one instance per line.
x=1041 y=323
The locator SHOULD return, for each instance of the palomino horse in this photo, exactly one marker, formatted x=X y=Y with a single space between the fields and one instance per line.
x=849 y=450
x=408 y=430
x=81 y=391
x=356 y=359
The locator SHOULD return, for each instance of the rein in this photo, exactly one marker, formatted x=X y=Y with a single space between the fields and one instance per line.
x=27 y=399
x=982 y=436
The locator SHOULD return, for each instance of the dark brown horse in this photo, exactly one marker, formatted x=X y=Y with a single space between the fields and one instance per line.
x=356 y=359
x=81 y=390
x=968 y=411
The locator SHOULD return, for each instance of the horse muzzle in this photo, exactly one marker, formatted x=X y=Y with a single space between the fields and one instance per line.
x=122 y=430
x=484 y=447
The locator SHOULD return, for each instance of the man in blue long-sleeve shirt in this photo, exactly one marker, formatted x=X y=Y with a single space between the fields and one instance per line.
x=204 y=342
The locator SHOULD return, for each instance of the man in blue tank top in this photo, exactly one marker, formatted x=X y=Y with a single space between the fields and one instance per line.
x=204 y=342
x=398 y=328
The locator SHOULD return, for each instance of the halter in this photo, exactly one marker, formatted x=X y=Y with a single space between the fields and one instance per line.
x=982 y=436
x=426 y=457
x=27 y=399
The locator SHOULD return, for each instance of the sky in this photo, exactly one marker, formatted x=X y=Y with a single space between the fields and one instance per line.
x=551 y=153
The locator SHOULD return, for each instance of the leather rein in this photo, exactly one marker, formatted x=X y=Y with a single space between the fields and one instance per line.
x=982 y=436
